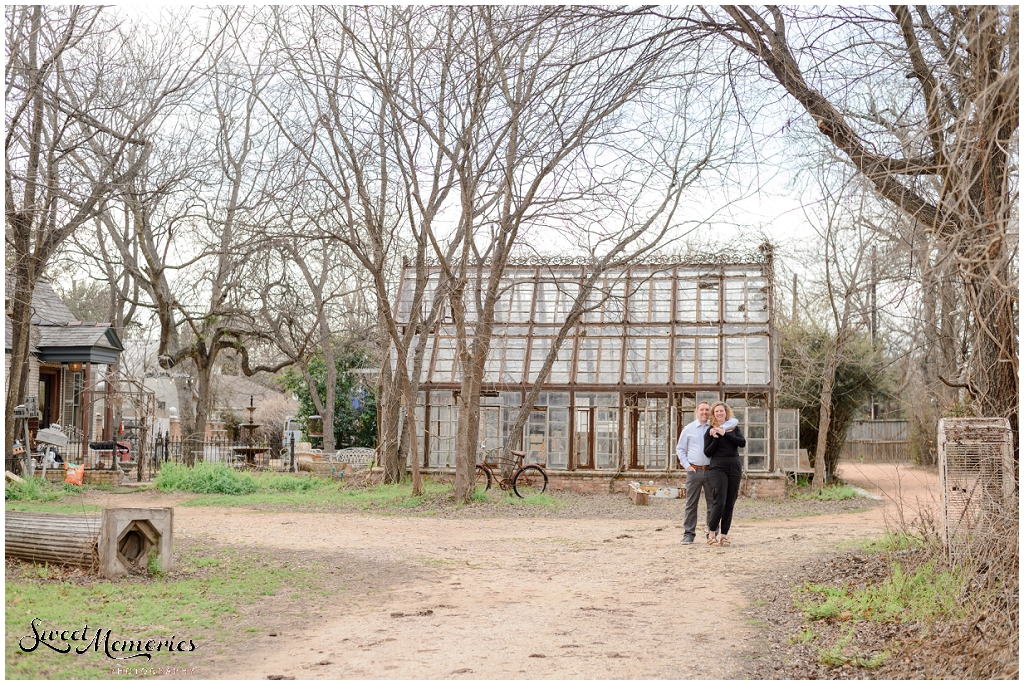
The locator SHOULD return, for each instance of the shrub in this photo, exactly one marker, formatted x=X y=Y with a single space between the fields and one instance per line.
x=205 y=478
x=220 y=479
x=33 y=490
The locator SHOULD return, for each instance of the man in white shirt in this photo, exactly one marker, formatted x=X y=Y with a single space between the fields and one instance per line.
x=690 y=451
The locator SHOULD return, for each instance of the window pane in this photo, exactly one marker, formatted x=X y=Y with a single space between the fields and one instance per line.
x=757 y=300
x=708 y=299
x=757 y=360
x=639 y=301
x=515 y=358
x=563 y=364
x=567 y=294
x=707 y=360
x=522 y=301
x=613 y=306
x=686 y=300
x=686 y=357
x=636 y=360
x=558 y=436
x=538 y=353
x=547 y=297
x=661 y=300
x=657 y=367
x=733 y=368
x=611 y=356
x=735 y=299
x=586 y=360
x=606 y=436
x=444 y=360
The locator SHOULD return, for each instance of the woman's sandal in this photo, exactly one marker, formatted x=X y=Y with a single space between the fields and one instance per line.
x=723 y=541
x=711 y=541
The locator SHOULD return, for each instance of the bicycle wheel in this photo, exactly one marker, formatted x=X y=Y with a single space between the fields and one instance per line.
x=529 y=481
x=483 y=478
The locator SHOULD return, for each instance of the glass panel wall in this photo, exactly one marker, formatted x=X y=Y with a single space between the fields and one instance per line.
x=689 y=329
x=752 y=413
x=547 y=431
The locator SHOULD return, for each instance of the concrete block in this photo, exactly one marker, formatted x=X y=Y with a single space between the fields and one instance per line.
x=129 y=535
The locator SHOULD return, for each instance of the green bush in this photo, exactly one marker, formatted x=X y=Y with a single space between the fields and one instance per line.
x=220 y=479
x=830 y=493
x=205 y=478
x=33 y=490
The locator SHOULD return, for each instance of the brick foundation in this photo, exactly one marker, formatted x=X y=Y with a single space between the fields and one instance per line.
x=102 y=477
x=604 y=482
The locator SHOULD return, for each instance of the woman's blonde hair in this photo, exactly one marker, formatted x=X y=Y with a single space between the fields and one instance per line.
x=728 y=412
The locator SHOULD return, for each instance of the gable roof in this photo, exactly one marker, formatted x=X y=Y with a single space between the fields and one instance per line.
x=62 y=338
x=47 y=307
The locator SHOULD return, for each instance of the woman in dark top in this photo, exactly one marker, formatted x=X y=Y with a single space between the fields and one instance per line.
x=722 y=448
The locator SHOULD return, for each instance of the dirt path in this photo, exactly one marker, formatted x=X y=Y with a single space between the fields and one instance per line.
x=525 y=598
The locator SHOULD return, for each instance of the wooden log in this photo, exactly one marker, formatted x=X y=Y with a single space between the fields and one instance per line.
x=112 y=543
x=67 y=539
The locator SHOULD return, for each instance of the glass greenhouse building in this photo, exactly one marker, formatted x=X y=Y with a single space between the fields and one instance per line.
x=654 y=340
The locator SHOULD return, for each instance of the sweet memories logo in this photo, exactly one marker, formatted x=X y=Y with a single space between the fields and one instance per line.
x=63 y=641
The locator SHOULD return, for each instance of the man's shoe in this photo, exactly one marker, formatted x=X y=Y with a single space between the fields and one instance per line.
x=687 y=539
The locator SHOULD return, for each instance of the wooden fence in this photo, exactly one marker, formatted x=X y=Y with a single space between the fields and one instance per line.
x=878 y=441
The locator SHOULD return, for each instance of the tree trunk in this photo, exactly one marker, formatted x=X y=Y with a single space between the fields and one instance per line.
x=828 y=379
x=204 y=404
x=330 y=397
x=391 y=457
x=21 y=330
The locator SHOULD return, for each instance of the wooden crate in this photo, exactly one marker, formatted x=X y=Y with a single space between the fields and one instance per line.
x=638 y=495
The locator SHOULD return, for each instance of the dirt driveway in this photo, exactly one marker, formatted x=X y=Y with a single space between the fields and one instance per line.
x=593 y=598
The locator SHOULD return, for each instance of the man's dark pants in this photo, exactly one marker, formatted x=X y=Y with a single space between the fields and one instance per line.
x=695 y=482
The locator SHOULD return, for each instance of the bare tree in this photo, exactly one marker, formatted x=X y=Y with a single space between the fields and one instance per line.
x=77 y=107
x=942 y=147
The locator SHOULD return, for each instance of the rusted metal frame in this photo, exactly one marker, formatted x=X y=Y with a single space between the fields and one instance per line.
x=773 y=377
x=674 y=388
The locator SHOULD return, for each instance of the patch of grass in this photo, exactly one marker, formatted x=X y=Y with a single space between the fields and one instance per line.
x=830 y=493
x=542 y=500
x=804 y=636
x=927 y=593
x=37 y=490
x=892 y=542
x=321 y=493
x=186 y=604
x=843 y=652
x=69 y=507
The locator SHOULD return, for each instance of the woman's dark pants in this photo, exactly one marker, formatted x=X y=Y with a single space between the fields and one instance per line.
x=724 y=475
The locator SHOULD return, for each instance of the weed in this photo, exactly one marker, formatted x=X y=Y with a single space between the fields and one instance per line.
x=842 y=652
x=542 y=500
x=804 y=636
x=925 y=594
x=892 y=542
x=153 y=564
x=35 y=490
x=830 y=493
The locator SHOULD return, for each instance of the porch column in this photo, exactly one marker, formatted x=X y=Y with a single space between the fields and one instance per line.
x=86 y=417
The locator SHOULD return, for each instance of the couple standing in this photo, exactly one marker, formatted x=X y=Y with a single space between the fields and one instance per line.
x=708 y=449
